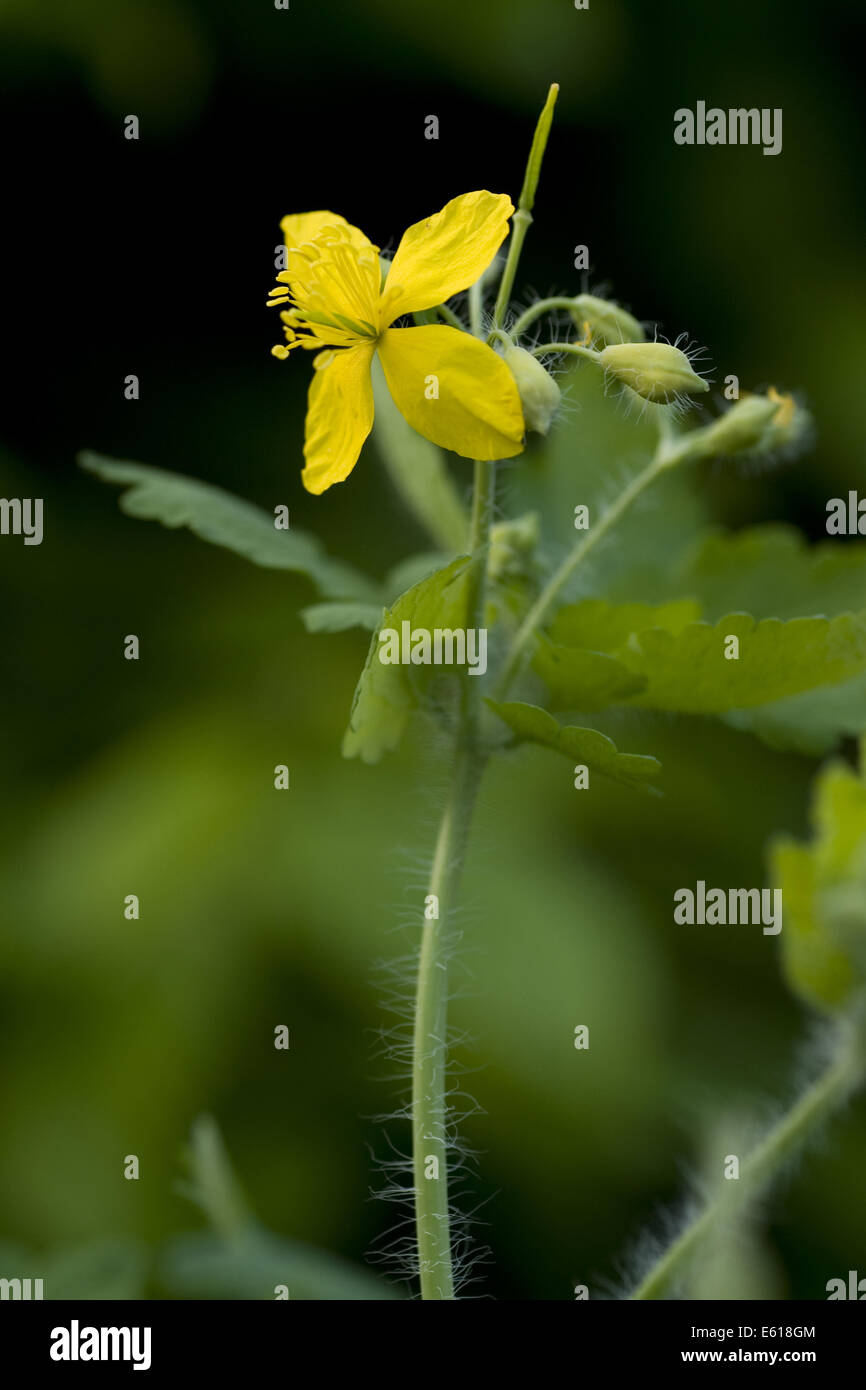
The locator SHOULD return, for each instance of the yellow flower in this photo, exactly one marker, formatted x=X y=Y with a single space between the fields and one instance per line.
x=451 y=387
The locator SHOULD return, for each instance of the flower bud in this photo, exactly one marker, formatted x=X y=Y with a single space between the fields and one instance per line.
x=512 y=544
x=608 y=323
x=658 y=372
x=791 y=425
x=741 y=430
x=755 y=425
x=539 y=393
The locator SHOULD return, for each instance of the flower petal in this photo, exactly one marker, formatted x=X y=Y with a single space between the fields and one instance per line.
x=445 y=253
x=339 y=416
x=454 y=390
x=301 y=227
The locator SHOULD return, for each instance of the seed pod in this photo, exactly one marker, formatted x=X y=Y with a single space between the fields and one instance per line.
x=539 y=393
x=658 y=372
x=608 y=323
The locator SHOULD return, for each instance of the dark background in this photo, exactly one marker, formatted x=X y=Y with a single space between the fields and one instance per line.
x=154 y=257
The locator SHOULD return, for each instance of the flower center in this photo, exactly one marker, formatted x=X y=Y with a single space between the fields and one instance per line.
x=329 y=292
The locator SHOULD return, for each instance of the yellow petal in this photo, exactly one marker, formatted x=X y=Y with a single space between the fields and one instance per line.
x=300 y=227
x=339 y=416
x=454 y=390
x=445 y=253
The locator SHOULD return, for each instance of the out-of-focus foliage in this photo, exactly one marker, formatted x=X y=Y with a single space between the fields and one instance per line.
x=824 y=890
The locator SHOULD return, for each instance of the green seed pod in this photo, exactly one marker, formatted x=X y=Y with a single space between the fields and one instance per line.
x=608 y=323
x=539 y=393
x=658 y=372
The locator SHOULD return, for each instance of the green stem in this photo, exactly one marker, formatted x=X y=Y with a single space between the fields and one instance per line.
x=551 y=591
x=577 y=349
x=475 y=309
x=450 y=317
x=832 y=1088
x=430 y=1043
x=535 y=311
x=522 y=219
x=430 y=1059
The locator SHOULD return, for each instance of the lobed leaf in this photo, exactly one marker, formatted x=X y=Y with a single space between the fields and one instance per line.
x=385 y=694
x=531 y=724
x=604 y=627
x=339 y=617
x=813 y=722
x=688 y=672
x=773 y=572
x=153 y=494
x=581 y=679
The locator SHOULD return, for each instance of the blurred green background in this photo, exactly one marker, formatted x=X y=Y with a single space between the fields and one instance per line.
x=155 y=778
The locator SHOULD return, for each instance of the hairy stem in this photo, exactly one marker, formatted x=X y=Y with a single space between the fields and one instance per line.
x=430 y=1060
x=832 y=1088
x=536 y=310
x=576 y=349
x=430 y=1043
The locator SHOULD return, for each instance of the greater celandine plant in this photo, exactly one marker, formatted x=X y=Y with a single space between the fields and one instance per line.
x=391 y=348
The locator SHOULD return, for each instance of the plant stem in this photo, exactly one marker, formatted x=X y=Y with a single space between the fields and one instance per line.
x=549 y=594
x=831 y=1089
x=522 y=219
x=450 y=317
x=578 y=349
x=535 y=311
x=430 y=1123
x=430 y=1058
x=430 y=1043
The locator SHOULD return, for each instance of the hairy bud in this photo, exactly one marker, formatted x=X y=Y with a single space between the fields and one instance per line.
x=539 y=393
x=659 y=372
x=607 y=321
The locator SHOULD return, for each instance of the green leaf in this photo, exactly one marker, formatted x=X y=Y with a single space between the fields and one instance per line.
x=772 y=572
x=580 y=679
x=222 y=519
x=252 y=1265
x=824 y=893
x=412 y=570
x=385 y=694
x=813 y=722
x=338 y=617
x=534 y=725
x=604 y=627
x=688 y=671
x=418 y=470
